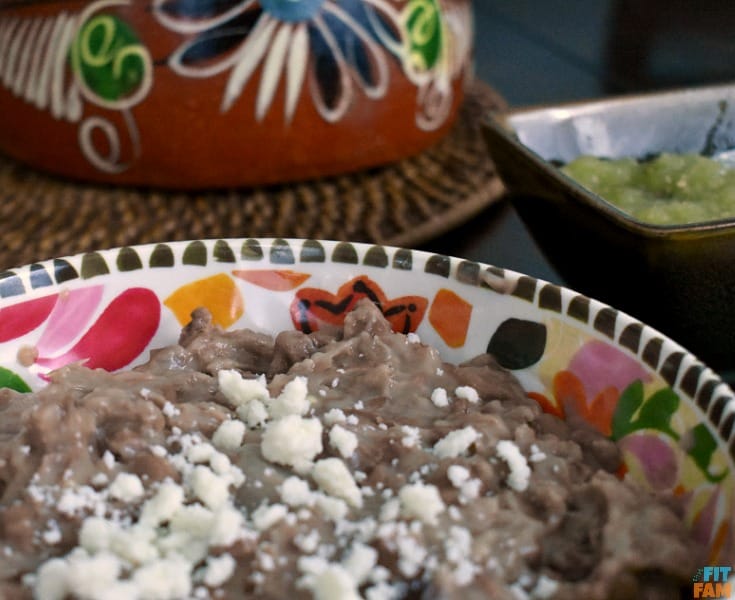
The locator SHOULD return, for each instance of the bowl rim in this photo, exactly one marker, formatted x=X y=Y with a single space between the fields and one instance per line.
x=18 y=282
x=501 y=123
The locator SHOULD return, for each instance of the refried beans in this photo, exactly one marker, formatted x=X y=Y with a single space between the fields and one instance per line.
x=342 y=464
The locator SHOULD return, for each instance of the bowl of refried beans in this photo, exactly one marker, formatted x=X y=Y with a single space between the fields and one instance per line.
x=271 y=418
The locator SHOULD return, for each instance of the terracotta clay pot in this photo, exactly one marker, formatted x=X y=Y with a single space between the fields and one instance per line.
x=214 y=93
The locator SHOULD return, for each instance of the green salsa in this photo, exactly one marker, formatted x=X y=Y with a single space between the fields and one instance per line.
x=670 y=189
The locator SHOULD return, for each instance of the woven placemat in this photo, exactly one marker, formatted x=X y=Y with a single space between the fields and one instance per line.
x=404 y=204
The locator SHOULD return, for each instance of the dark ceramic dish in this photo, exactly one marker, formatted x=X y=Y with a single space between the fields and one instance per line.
x=680 y=279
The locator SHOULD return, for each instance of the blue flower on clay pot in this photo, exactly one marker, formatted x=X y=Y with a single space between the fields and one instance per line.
x=325 y=46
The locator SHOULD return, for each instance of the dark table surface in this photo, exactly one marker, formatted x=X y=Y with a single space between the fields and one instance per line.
x=540 y=53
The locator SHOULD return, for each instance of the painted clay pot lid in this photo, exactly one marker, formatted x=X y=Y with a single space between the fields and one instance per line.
x=219 y=93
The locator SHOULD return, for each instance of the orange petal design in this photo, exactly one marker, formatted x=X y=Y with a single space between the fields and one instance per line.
x=218 y=294
x=601 y=411
x=273 y=279
x=569 y=393
x=450 y=316
x=547 y=405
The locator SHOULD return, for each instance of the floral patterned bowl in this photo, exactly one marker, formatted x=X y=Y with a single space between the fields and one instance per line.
x=673 y=418
x=211 y=93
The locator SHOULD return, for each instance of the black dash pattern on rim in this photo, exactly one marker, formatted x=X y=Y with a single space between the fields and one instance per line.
x=671 y=366
x=195 y=254
x=468 y=272
x=64 y=271
x=550 y=297
x=128 y=259
x=525 y=288
x=439 y=265
x=344 y=252
x=251 y=250
x=11 y=285
x=312 y=251
x=630 y=338
x=223 y=252
x=162 y=257
x=376 y=256
x=40 y=277
x=403 y=260
x=281 y=253
x=605 y=321
x=705 y=394
x=579 y=308
x=94 y=265
x=690 y=381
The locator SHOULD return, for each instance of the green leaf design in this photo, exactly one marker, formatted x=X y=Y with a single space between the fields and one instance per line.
x=425 y=34
x=657 y=412
x=654 y=413
x=635 y=413
x=630 y=401
x=703 y=447
x=11 y=380
x=109 y=58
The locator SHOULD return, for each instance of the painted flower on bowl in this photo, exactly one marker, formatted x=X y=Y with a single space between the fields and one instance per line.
x=336 y=49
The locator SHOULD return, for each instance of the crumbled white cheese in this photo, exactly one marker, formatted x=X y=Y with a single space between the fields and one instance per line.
x=162 y=579
x=170 y=410
x=52 y=582
x=292 y=441
x=520 y=472
x=411 y=555
x=239 y=391
x=334 y=583
x=109 y=459
x=458 y=550
x=390 y=510
x=334 y=478
x=439 y=398
x=470 y=490
x=413 y=338
x=333 y=508
x=307 y=542
x=227 y=527
x=219 y=569
x=384 y=591
x=468 y=393
x=334 y=415
x=194 y=519
x=343 y=440
x=254 y=413
x=360 y=561
x=456 y=443
x=421 y=501
x=537 y=455
x=296 y=492
x=126 y=487
x=458 y=475
x=200 y=453
x=52 y=534
x=229 y=435
x=209 y=487
x=545 y=588
x=267 y=515
x=411 y=436
x=293 y=400
x=162 y=506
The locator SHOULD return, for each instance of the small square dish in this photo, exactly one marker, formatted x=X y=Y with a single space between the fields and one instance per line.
x=679 y=278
